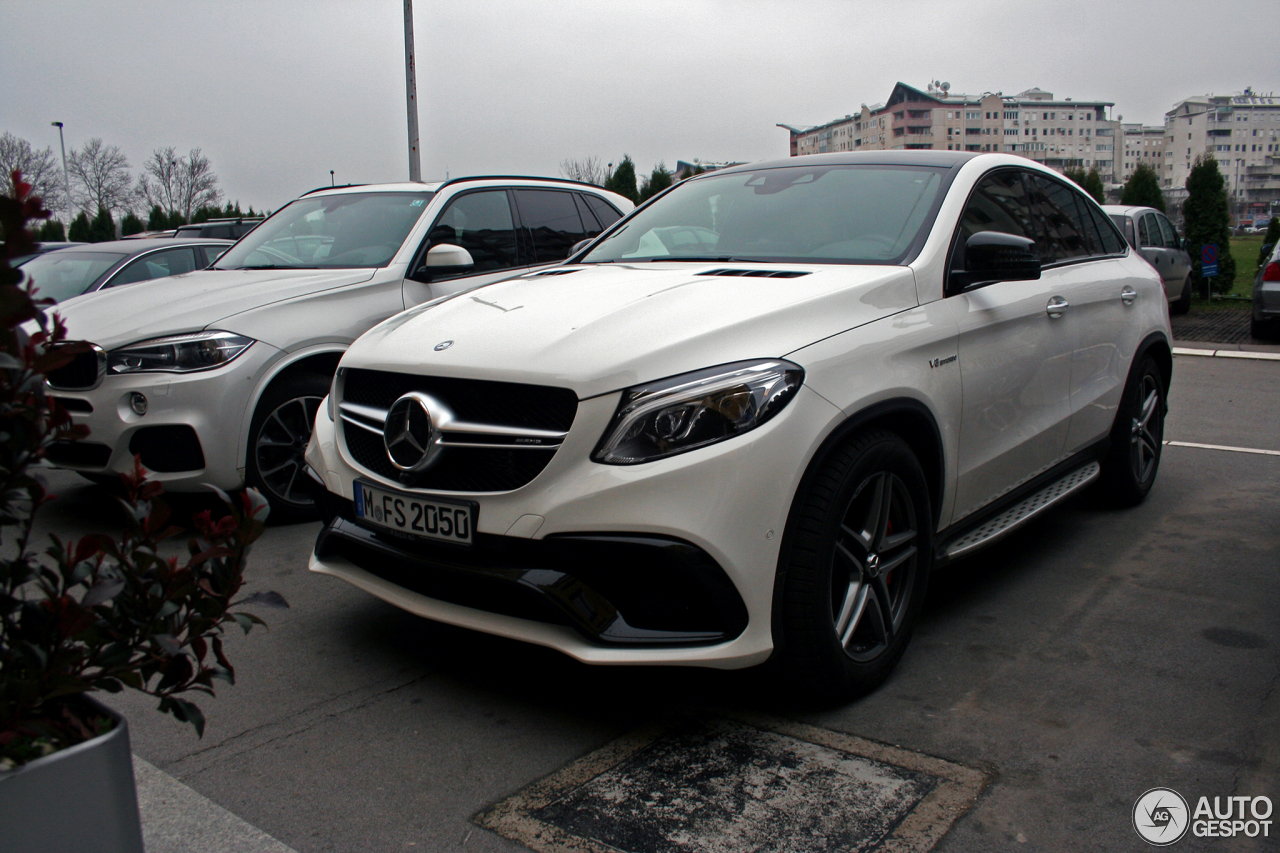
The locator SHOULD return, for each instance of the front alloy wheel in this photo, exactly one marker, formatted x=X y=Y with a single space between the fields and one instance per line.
x=873 y=566
x=278 y=438
x=854 y=567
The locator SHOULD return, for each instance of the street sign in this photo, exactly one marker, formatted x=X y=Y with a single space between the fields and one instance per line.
x=1208 y=260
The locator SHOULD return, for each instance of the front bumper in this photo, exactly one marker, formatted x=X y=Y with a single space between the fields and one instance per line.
x=190 y=436
x=668 y=562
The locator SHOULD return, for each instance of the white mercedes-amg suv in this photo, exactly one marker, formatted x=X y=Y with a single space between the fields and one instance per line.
x=748 y=419
x=214 y=377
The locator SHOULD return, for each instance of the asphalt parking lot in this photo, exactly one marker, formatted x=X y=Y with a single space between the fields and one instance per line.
x=1054 y=679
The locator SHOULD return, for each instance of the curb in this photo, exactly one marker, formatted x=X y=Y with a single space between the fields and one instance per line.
x=1209 y=351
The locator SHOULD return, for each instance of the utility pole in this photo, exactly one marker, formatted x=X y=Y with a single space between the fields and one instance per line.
x=66 y=181
x=411 y=94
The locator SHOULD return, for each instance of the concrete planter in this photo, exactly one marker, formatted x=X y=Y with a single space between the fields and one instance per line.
x=82 y=798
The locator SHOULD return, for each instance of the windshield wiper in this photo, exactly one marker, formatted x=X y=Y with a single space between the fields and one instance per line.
x=704 y=259
x=268 y=267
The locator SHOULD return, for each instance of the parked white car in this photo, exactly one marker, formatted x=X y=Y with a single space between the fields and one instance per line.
x=748 y=420
x=214 y=377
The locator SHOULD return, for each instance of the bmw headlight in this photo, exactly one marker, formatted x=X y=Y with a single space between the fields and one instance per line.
x=178 y=353
x=692 y=410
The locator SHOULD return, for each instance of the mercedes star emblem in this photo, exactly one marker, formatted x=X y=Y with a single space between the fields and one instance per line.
x=409 y=435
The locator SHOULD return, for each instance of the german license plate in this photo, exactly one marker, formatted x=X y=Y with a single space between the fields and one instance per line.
x=432 y=519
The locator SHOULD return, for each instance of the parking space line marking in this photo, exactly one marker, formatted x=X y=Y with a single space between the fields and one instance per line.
x=1224 y=447
x=1227 y=353
x=178 y=819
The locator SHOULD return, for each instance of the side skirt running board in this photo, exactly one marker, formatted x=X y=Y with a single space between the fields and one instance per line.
x=998 y=526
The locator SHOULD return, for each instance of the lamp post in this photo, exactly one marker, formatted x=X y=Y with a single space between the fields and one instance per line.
x=411 y=94
x=66 y=181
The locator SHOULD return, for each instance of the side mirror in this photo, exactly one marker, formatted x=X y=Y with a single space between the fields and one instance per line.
x=443 y=260
x=579 y=246
x=992 y=256
x=449 y=255
x=1186 y=244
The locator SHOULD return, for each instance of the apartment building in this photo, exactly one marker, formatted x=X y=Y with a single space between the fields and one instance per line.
x=1060 y=133
x=1242 y=132
x=1143 y=145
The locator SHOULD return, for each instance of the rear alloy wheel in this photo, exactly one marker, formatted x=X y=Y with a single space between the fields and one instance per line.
x=1137 y=438
x=855 y=575
x=278 y=439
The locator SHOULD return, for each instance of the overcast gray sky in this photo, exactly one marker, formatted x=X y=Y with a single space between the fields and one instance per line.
x=278 y=92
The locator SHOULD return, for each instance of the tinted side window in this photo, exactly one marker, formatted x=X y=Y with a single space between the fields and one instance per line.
x=480 y=223
x=1166 y=231
x=210 y=254
x=999 y=203
x=552 y=220
x=1063 y=234
x=156 y=265
x=1149 y=231
x=589 y=220
x=603 y=210
x=1112 y=239
x=1088 y=227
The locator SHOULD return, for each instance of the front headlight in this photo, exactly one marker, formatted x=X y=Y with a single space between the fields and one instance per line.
x=693 y=410
x=178 y=353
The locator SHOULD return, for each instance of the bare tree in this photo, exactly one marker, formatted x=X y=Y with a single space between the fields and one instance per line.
x=587 y=170
x=178 y=184
x=39 y=168
x=100 y=176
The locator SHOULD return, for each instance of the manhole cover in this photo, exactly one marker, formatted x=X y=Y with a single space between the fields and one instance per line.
x=726 y=786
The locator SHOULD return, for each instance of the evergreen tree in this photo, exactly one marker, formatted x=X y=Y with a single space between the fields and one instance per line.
x=658 y=181
x=1207 y=220
x=157 y=221
x=1093 y=186
x=80 y=229
x=103 y=227
x=1143 y=189
x=131 y=224
x=51 y=232
x=1075 y=173
x=623 y=180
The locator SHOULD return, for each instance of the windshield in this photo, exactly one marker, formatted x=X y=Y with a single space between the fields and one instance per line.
x=804 y=214
x=62 y=275
x=333 y=231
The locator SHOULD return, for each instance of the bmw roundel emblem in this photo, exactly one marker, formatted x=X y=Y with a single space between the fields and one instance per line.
x=443 y=345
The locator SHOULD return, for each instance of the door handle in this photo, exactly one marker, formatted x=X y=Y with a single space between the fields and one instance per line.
x=1057 y=305
x=1128 y=294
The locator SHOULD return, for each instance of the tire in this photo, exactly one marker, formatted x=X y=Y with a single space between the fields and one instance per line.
x=1263 y=330
x=278 y=436
x=854 y=569
x=1137 y=437
x=1182 y=304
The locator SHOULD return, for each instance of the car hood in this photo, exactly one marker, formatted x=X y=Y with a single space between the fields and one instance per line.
x=189 y=302
x=600 y=328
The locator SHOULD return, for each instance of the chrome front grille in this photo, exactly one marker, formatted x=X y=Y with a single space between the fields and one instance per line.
x=491 y=436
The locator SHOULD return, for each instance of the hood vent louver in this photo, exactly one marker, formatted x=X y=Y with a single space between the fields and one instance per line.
x=756 y=273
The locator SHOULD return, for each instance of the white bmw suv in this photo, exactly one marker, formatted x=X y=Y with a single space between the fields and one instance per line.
x=747 y=420
x=215 y=377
